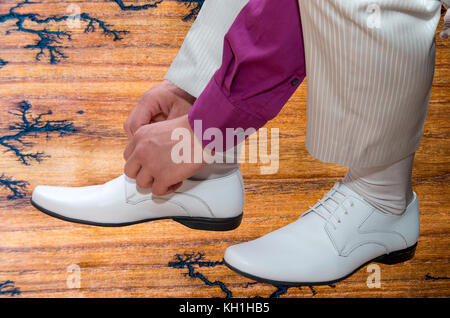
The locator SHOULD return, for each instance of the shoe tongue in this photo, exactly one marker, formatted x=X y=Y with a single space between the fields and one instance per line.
x=339 y=197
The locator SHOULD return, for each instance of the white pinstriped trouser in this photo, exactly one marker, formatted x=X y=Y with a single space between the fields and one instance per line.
x=370 y=67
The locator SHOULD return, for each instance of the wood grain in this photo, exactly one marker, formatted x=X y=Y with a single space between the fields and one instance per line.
x=95 y=88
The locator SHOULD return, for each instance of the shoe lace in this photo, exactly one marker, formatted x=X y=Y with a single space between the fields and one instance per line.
x=332 y=211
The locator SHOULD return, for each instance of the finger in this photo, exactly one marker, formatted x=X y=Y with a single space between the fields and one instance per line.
x=132 y=167
x=174 y=187
x=126 y=127
x=139 y=122
x=126 y=123
x=144 y=179
x=147 y=108
x=158 y=118
x=159 y=187
x=140 y=115
x=130 y=123
x=179 y=109
x=173 y=180
x=129 y=149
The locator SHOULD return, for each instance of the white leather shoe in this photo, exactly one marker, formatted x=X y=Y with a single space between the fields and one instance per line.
x=214 y=204
x=329 y=242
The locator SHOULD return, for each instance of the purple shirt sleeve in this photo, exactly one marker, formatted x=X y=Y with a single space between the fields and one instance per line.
x=263 y=64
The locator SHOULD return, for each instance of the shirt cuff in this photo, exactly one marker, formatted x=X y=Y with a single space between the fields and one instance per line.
x=212 y=109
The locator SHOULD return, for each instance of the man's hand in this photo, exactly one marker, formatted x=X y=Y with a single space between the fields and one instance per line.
x=162 y=102
x=148 y=156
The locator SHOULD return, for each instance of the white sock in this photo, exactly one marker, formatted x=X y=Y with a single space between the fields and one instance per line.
x=387 y=188
x=215 y=170
x=218 y=170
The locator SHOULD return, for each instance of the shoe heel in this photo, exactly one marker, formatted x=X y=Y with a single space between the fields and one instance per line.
x=210 y=224
x=397 y=256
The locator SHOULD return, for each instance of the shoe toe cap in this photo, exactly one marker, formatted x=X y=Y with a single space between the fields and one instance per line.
x=263 y=262
x=43 y=195
x=284 y=256
x=63 y=201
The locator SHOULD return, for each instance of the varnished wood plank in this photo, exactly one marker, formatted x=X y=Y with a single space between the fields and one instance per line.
x=94 y=89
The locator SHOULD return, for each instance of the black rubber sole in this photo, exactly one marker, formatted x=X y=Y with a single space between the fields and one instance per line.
x=197 y=223
x=389 y=259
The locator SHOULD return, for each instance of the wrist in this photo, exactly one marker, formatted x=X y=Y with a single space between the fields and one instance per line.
x=178 y=91
x=199 y=154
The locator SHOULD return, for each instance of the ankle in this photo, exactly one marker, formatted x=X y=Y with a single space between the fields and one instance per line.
x=215 y=170
x=388 y=204
x=388 y=188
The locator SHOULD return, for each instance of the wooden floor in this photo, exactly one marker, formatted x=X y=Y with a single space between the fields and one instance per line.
x=65 y=108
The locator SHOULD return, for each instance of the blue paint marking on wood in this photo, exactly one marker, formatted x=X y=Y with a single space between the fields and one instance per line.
x=430 y=277
x=3 y=62
x=49 y=41
x=27 y=125
x=8 y=288
x=194 y=5
x=194 y=260
x=189 y=261
x=17 y=188
x=132 y=7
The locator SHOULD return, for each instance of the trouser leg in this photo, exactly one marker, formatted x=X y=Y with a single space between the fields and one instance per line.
x=388 y=188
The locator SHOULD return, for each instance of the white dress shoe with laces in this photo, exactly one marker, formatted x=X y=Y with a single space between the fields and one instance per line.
x=213 y=204
x=329 y=242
